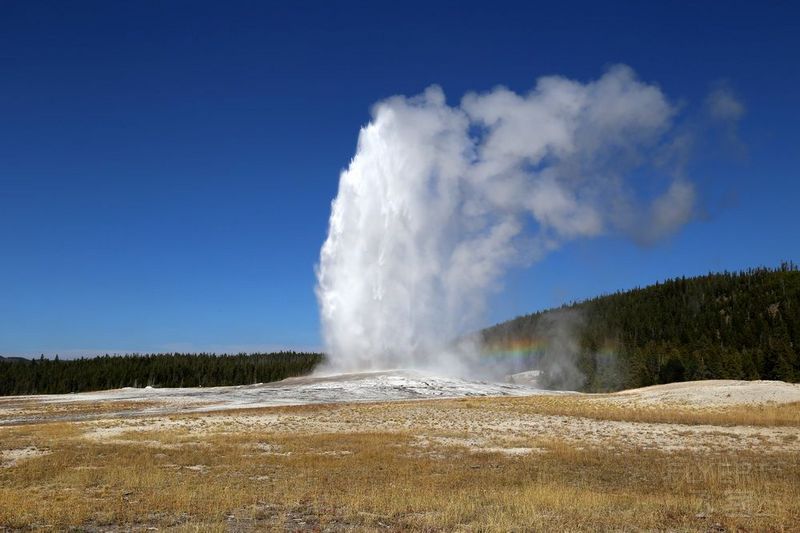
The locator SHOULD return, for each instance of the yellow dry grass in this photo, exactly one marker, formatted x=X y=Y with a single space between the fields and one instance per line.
x=606 y=407
x=212 y=472
x=33 y=409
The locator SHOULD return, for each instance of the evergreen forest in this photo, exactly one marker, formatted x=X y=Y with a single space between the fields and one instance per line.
x=57 y=376
x=729 y=325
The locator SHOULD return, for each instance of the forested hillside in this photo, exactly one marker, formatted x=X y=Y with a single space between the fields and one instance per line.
x=44 y=376
x=742 y=325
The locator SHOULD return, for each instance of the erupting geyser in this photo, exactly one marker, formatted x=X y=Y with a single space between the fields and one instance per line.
x=439 y=201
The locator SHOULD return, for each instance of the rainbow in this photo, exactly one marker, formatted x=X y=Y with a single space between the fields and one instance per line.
x=526 y=348
x=515 y=348
x=608 y=349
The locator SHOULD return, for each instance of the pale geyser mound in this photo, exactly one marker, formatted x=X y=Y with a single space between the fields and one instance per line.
x=441 y=200
x=713 y=393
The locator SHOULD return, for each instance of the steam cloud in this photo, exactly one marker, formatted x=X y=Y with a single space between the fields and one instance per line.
x=439 y=201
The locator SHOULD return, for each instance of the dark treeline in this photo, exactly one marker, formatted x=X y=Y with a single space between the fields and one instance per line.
x=742 y=325
x=45 y=376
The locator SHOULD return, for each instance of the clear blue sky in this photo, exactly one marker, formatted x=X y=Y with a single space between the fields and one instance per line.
x=166 y=168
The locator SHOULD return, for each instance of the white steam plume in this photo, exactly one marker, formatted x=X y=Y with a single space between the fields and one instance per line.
x=439 y=201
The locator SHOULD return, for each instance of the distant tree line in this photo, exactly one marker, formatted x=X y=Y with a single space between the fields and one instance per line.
x=57 y=376
x=743 y=325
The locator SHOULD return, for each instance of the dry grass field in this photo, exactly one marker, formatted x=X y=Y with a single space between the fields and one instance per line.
x=552 y=462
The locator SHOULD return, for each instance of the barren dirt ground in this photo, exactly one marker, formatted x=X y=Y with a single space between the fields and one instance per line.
x=716 y=455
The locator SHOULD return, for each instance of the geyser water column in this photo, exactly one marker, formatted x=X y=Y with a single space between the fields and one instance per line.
x=386 y=289
x=440 y=200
